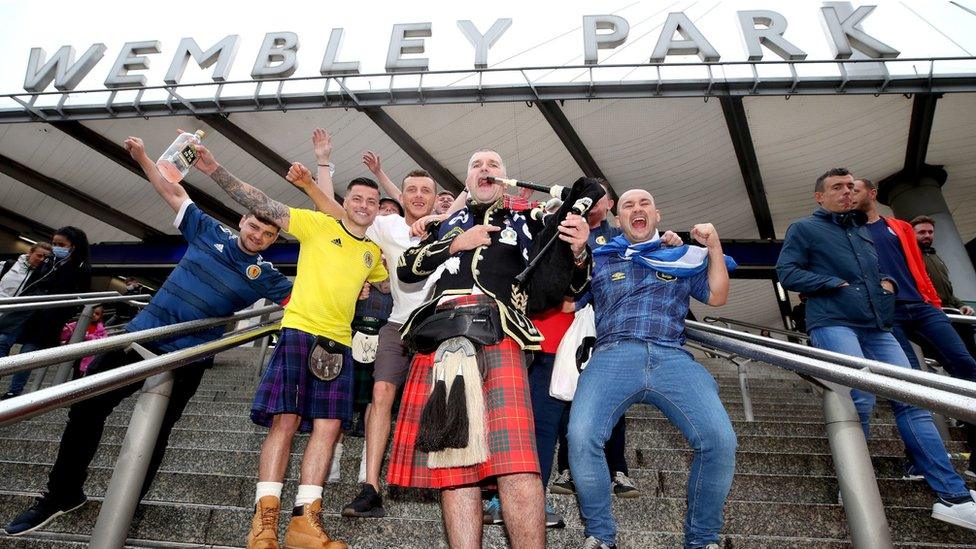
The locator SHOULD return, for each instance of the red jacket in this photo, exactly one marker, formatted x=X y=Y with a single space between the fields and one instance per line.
x=913 y=255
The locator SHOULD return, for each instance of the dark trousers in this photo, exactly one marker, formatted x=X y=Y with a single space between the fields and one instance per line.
x=548 y=411
x=86 y=423
x=931 y=329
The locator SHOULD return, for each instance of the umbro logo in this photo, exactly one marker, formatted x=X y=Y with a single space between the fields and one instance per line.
x=337 y=242
x=220 y=247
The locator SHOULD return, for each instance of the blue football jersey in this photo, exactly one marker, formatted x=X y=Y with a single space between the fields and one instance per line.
x=214 y=278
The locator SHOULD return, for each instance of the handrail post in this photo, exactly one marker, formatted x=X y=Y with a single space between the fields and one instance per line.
x=122 y=497
x=63 y=371
x=744 y=389
x=858 y=486
x=263 y=343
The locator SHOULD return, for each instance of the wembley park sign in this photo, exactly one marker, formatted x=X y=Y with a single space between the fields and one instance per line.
x=277 y=57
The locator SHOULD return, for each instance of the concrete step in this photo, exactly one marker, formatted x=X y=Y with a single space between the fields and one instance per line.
x=250 y=437
x=238 y=490
x=244 y=462
x=641 y=523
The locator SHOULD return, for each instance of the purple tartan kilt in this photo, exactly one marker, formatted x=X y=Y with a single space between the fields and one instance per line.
x=287 y=387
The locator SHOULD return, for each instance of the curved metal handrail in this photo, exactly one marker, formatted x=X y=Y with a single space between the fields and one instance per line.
x=962 y=319
x=55 y=355
x=52 y=297
x=934 y=381
x=752 y=326
x=70 y=302
x=949 y=403
x=65 y=394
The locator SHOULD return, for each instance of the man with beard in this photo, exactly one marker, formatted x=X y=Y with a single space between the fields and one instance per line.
x=938 y=273
x=918 y=308
x=308 y=384
x=830 y=257
x=220 y=273
x=479 y=250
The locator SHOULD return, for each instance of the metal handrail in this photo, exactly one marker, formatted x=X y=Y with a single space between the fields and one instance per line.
x=962 y=319
x=65 y=394
x=752 y=326
x=928 y=379
x=488 y=70
x=740 y=367
x=71 y=302
x=55 y=355
x=952 y=404
x=52 y=297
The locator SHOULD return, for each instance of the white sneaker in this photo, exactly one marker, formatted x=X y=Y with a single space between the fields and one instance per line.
x=960 y=514
x=335 y=470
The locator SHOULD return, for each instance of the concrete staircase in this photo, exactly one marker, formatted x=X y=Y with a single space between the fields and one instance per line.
x=784 y=493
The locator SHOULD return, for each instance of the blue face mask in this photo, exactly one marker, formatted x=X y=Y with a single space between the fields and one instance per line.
x=61 y=252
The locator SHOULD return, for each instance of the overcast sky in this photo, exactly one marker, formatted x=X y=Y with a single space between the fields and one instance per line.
x=538 y=36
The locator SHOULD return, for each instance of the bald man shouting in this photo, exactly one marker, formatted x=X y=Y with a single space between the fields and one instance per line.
x=641 y=292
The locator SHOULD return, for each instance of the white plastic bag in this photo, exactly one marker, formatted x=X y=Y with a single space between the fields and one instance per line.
x=572 y=354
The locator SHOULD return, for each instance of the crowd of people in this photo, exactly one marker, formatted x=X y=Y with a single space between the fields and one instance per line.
x=454 y=306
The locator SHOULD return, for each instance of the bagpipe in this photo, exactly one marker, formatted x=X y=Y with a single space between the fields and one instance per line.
x=577 y=199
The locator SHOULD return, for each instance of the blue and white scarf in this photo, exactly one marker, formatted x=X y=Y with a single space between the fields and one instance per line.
x=681 y=261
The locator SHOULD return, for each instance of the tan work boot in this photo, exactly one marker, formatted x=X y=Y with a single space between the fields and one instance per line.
x=305 y=530
x=264 y=525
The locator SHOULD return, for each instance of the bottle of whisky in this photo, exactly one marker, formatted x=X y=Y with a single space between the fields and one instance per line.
x=180 y=156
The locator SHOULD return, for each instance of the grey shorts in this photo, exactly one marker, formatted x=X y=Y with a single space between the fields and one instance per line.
x=392 y=358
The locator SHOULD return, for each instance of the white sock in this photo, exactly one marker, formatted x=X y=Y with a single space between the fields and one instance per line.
x=336 y=468
x=362 y=465
x=307 y=493
x=267 y=489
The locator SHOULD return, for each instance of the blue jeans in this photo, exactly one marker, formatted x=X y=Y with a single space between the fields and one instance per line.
x=918 y=432
x=932 y=330
x=626 y=372
x=19 y=380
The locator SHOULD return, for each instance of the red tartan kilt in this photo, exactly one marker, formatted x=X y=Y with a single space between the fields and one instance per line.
x=510 y=424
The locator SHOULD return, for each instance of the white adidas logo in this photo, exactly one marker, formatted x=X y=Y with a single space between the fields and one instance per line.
x=220 y=247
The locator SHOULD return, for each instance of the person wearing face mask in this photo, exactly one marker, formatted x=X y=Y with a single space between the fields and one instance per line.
x=66 y=272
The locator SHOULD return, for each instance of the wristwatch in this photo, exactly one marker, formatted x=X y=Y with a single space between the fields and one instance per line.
x=580 y=259
x=331 y=167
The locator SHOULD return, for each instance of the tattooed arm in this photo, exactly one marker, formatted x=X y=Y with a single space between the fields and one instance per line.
x=244 y=194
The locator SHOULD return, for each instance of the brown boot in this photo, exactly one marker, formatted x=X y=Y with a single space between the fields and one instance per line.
x=305 y=530
x=264 y=525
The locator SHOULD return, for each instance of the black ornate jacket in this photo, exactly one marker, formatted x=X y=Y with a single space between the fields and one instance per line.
x=491 y=269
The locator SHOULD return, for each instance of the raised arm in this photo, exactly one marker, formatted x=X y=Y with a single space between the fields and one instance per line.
x=172 y=193
x=372 y=162
x=322 y=145
x=244 y=194
x=718 y=273
x=301 y=177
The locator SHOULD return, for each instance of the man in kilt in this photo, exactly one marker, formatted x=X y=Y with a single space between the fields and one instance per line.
x=477 y=252
x=308 y=384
